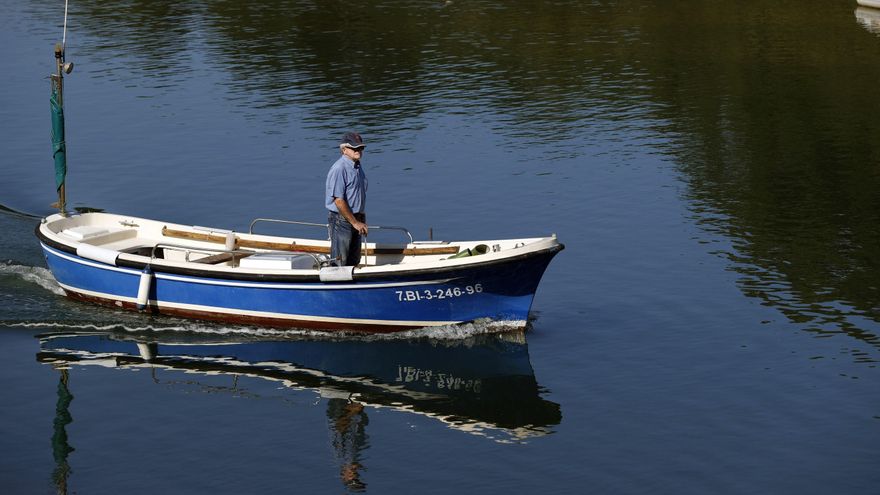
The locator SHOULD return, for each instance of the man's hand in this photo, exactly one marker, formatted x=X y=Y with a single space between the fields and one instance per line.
x=360 y=227
x=345 y=211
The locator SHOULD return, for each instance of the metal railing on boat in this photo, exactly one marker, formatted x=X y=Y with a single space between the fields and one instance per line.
x=311 y=224
x=326 y=226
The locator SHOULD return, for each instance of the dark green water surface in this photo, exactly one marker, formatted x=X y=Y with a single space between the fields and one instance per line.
x=712 y=167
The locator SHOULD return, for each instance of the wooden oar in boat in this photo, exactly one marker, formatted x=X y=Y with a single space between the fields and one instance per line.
x=302 y=248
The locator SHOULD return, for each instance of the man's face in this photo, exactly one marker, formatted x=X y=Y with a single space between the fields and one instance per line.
x=353 y=153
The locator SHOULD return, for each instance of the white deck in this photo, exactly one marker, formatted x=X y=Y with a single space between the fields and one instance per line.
x=125 y=234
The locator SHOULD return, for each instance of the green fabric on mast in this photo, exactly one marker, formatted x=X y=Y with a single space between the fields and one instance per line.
x=59 y=148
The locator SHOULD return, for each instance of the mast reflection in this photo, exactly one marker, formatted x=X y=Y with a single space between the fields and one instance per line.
x=60 y=447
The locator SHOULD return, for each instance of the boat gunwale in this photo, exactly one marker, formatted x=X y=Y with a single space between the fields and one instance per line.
x=127 y=260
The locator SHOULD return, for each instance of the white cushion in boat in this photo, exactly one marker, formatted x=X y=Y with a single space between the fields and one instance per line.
x=274 y=261
x=85 y=232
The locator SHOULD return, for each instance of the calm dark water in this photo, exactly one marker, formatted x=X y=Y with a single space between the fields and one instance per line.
x=712 y=167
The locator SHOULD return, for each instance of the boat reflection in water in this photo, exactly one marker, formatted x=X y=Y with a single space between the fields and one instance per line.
x=869 y=18
x=482 y=385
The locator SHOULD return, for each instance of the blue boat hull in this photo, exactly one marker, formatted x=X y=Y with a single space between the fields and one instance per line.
x=499 y=291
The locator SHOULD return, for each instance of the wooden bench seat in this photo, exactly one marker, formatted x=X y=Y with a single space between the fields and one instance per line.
x=215 y=259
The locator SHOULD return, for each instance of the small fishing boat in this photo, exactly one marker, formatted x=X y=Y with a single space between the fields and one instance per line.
x=216 y=274
x=190 y=271
x=874 y=4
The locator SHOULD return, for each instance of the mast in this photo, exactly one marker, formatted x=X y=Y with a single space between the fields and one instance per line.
x=56 y=103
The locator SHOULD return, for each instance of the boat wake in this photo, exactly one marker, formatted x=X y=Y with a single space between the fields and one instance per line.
x=449 y=333
x=33 y=274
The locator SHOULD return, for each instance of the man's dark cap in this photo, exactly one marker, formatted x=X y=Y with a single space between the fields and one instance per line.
x=353 y=140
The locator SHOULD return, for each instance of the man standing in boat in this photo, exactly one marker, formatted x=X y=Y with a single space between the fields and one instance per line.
x=345 y=197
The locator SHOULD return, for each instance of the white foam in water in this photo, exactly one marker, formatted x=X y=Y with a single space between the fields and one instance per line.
x=107 y=327
x=447 y=333
x=34 y=274
x=451 y=332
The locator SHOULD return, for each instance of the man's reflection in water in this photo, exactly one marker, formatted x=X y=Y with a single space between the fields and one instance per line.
x=60 y=447
x=347 y=422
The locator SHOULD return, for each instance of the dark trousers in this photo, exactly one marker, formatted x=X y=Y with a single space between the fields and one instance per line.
x=345 y=241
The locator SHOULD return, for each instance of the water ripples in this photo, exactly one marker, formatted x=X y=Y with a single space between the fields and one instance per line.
x=456 y=59
x=752 y=121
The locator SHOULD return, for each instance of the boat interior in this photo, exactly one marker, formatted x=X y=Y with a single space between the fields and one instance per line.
x=250 y=250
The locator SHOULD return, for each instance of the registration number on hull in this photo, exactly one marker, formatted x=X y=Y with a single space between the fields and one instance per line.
x=431 y=294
